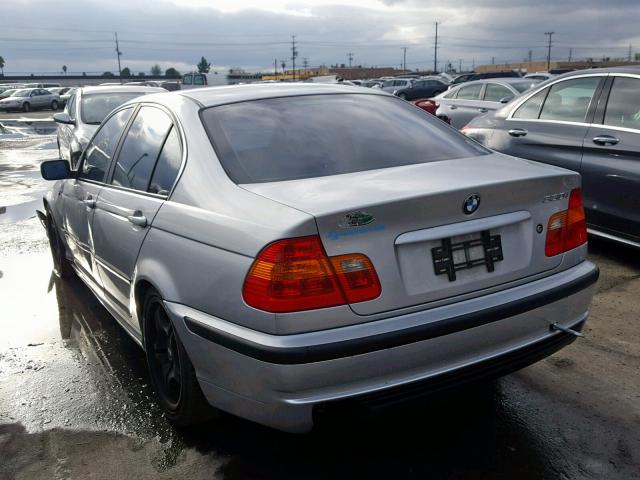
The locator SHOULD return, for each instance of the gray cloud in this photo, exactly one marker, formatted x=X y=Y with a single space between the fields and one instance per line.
x=41 y=36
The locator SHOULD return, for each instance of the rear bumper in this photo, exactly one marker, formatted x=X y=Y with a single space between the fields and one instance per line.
x=278 y=379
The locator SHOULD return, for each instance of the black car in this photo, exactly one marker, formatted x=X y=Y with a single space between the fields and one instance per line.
x=421 y=89
x=587 y=121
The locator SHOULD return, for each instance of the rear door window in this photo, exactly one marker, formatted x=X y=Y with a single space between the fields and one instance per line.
x=623 y=107
x=187 y=79
x=168 y=165
x=495 y=92
x=569 y=100
x=140 y=149
x=199 y=80
x=103 y=145
x=530 y=109
x=470 y=92
x=318 y=135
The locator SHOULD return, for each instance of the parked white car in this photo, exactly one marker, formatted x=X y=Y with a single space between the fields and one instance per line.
x=28 y=99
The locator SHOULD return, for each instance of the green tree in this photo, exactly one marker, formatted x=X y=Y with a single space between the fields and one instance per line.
x=172 y=73
x=2 y=66
x=64 y=69
x=203 y=66
x=108 y=74
x=126 y=73
x=156 y=71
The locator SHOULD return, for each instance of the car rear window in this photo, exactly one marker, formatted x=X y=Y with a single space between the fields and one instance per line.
x=96 y=106
x=318 y=135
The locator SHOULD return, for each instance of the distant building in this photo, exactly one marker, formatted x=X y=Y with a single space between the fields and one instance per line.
x=541 y=66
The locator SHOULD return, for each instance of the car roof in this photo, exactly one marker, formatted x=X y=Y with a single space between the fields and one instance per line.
x=503 y=80
x=634 y=70
x=211 y=96
x=121 y=88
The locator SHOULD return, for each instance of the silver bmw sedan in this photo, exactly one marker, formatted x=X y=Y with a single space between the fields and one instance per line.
x=278 y=248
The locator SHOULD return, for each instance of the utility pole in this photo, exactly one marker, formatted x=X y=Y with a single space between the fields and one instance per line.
x=404 y=58
x=294 y=54
x=275 y=67
x=435 y=52
x=549 y=34
x=350 y=58
x=283 y=64
x=305 y=63
x=460 y=66
x=630 y=52
x=493 y=60
x=570 y=54
x=118 y=53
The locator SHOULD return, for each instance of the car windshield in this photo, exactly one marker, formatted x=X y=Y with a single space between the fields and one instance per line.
x=96 y=106
x=21 y=93
x=318 y=135
x=524 y=86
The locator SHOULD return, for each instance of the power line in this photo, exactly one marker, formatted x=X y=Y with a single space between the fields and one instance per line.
x=118 y=53
x=435 y=52
x=550 y=34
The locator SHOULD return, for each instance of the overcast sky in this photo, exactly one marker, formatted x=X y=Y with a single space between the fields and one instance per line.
x=39 y=36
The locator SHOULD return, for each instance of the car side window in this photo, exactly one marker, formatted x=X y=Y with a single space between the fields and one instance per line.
x=470 y=92
x=569 y=100
x=495 y=92
x=187 y=79
x=623 y=107
x=452 y=94
x=168 y=165
x=140 y=149
x=530 y=109
x=71 y=104
x=198 y=79
x=103 y=145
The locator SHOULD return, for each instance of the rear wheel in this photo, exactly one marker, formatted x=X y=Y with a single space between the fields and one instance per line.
x=26 y=107
x=61 y=266
x=172 y=373
x=54 y=105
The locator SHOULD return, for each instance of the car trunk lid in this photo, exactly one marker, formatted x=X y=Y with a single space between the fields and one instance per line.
x=410 y=222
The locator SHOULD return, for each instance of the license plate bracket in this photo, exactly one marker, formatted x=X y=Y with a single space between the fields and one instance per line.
x=451 y=257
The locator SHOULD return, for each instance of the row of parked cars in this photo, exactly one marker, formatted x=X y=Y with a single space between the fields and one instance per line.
x=33 y=96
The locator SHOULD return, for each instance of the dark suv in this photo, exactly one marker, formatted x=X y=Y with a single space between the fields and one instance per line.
x=421 y=89
x=587 y=121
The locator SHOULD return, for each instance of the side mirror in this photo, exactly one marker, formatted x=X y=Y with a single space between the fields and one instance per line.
x=63 y=117
x=502 y=100
x=55 y=170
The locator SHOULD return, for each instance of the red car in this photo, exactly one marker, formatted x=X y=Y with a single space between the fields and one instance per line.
x=428 y=105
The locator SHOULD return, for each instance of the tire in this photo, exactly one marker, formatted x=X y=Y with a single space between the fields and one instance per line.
x=403 y=96
x=61 y=266
x=54 y=105
x=172 y=374
x=26 y=107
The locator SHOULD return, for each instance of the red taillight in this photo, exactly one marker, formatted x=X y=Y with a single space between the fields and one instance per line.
x=296 y=274
x=567 y=229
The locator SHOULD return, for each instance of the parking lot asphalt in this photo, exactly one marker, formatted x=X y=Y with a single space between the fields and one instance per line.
x=75 y=400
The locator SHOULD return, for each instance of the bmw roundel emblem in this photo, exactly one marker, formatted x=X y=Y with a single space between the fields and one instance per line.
x=471 y=204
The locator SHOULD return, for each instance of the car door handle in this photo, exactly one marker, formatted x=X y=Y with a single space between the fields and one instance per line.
x=605 y=140
x=517 y=132
x=138 y=219
x=483 y=110
x=452 y=107
x=89 y=202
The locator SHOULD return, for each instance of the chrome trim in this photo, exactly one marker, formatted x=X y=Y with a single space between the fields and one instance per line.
x=608 y=236
x=111 y=269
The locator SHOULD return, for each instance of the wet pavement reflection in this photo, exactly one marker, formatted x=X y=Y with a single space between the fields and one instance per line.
x=73 y=385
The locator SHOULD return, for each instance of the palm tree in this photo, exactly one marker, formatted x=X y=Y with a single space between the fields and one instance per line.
x=2 y=65
x=64 y=69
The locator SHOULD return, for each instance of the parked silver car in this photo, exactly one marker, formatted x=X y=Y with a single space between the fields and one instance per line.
x=460 y=104
x=84 y=112
x=28 y=99
x=277 y=248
